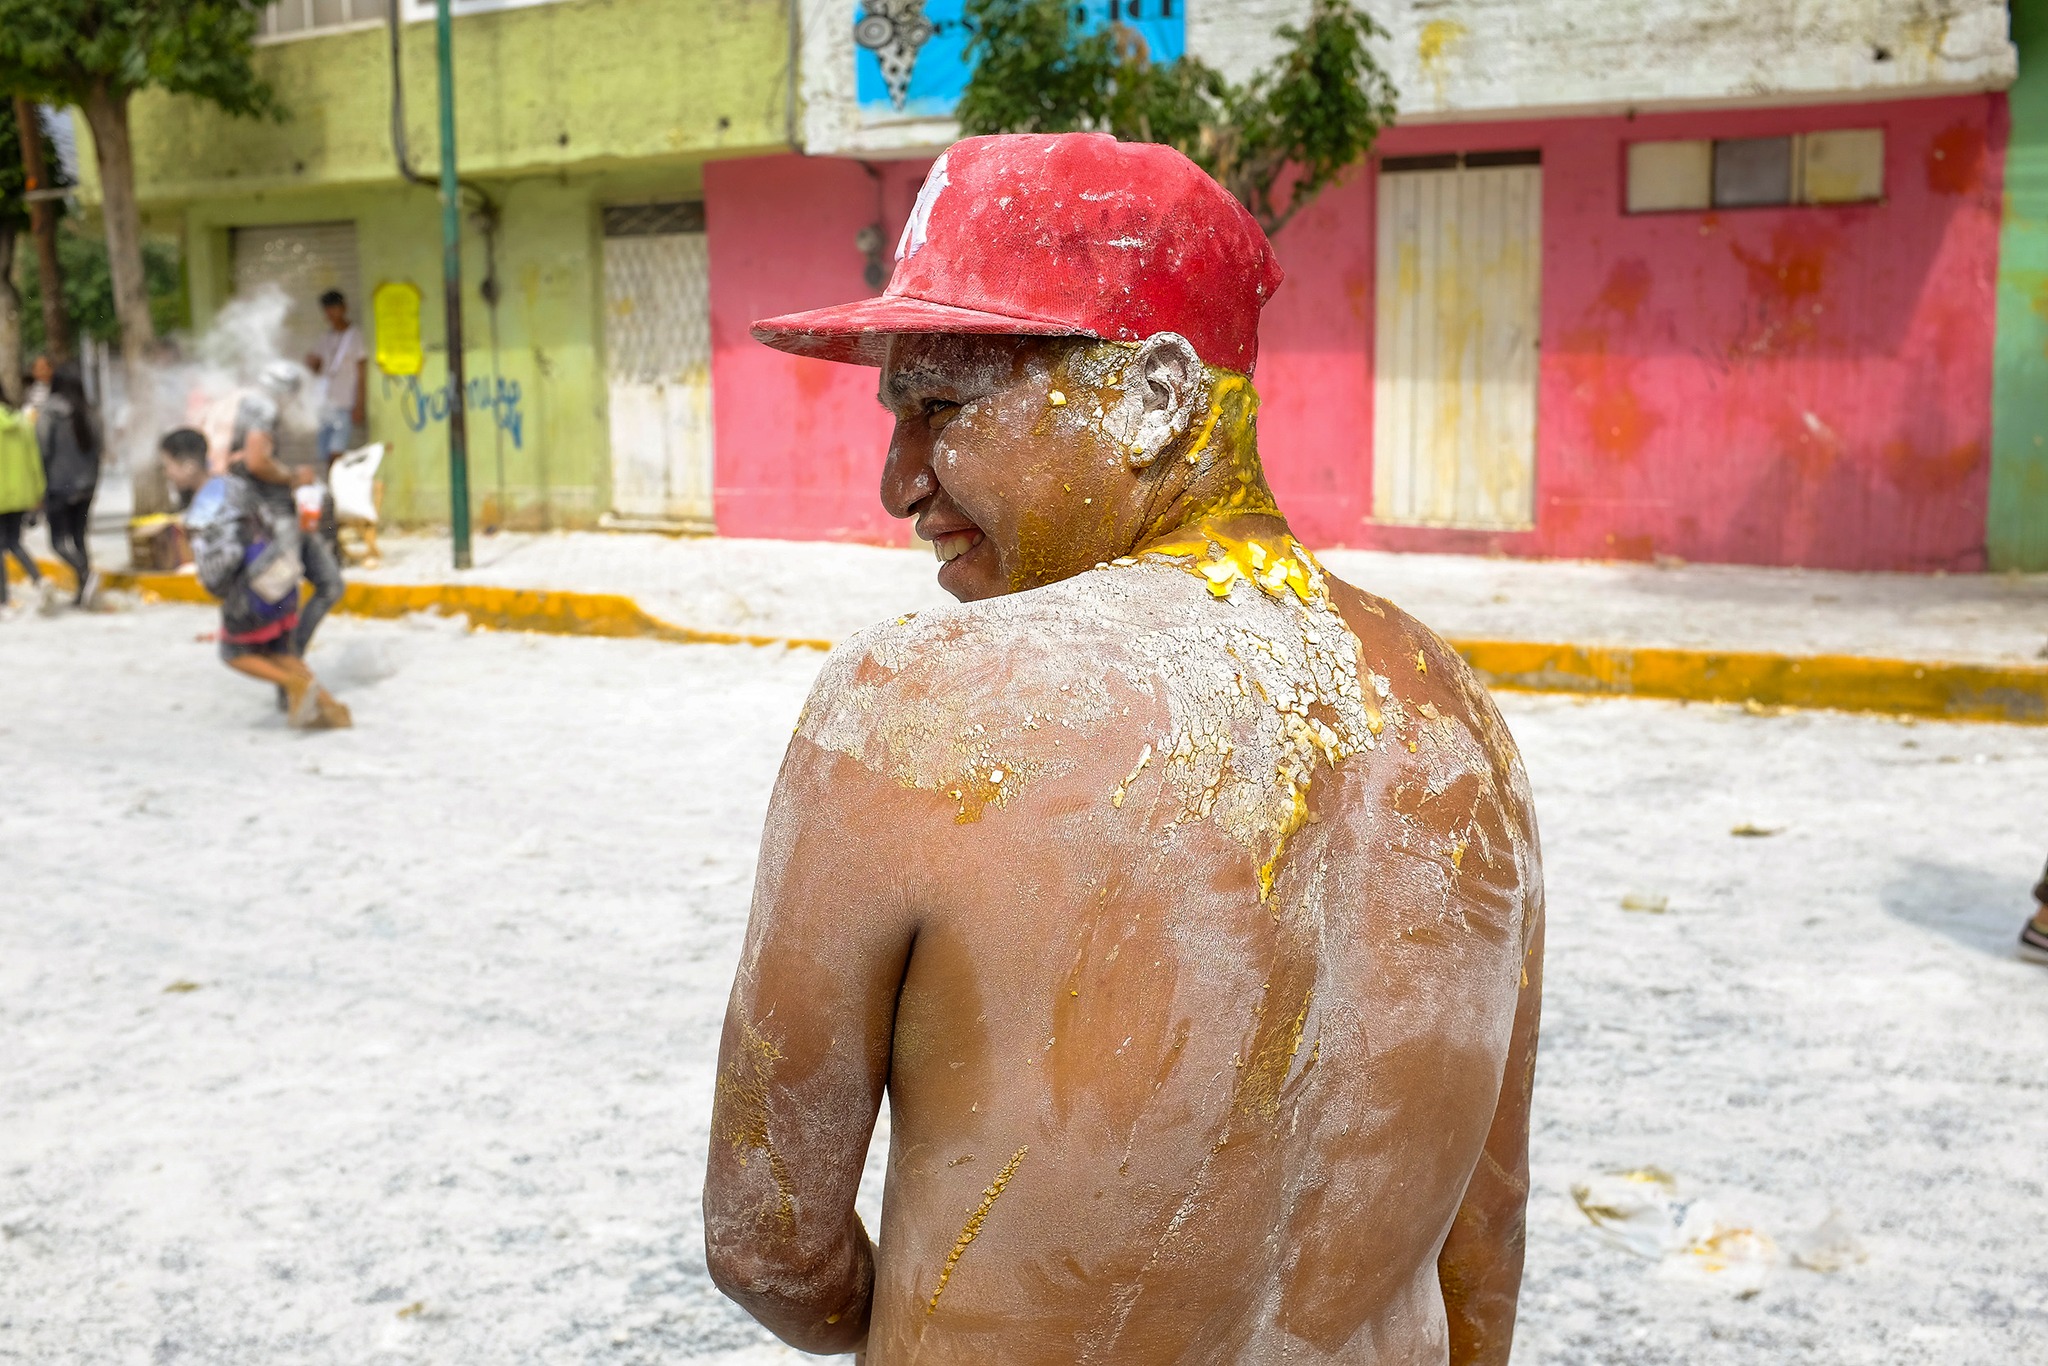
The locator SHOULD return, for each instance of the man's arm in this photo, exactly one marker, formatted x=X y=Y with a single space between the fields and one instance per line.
x=259 y=457
x=362 y=390
x=1480 y=1267
x=805 y=1054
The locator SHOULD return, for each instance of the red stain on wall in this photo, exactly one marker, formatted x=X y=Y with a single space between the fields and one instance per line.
x=1627 y=288
x=1788 y=285
x=1925 y=473
x=1956 y=161
x=1795 y=268
x=1603 y=393
x=1620 y=425
x=1616 y=420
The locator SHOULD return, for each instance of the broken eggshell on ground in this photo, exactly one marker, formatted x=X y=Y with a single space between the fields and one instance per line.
x=1717 y=1242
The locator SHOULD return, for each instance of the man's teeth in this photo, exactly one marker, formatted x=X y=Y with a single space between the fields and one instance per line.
x=954 y=544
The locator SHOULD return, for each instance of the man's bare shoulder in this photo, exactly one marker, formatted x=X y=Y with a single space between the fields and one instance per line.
x=980 y=695
x=1396 y=645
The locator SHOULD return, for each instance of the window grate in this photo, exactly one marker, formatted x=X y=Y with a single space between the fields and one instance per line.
x=654 y=220
x=301 y=18
x=1471 y=161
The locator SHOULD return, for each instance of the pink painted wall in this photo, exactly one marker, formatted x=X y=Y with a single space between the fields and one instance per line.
x=800 y=442
x=1778 y=386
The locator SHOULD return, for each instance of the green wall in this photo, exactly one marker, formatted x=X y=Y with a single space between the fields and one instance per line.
x=574 y=83
x=549 y=432
x=561 y=109
x=2017 y=532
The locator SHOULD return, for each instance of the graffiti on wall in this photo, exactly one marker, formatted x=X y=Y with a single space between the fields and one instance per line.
x=419 y=406
x=911 y=55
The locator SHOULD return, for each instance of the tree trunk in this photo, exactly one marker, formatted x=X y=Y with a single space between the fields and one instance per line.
x=106 y=110
x=10 y=327
x=42 y=217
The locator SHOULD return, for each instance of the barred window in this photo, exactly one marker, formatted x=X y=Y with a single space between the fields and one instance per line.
x=300 y=18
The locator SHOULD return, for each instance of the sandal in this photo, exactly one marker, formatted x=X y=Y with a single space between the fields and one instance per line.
x=2034 y=940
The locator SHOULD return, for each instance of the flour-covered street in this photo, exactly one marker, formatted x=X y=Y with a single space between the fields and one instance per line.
x=395 y=1045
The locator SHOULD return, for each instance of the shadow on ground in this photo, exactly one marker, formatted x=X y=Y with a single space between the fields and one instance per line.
x=1977 y=909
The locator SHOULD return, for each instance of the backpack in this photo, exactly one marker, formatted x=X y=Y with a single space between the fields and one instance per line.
x=251 y=568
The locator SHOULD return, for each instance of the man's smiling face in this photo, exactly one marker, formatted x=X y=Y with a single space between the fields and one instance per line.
x=1001 y=455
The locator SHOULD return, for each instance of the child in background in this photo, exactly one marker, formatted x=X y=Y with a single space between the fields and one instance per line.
x=187 y=468
x=40 y=372
x=21 y=491
x=247 y=555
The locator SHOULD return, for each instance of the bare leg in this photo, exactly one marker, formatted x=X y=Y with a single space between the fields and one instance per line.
x=307 y=704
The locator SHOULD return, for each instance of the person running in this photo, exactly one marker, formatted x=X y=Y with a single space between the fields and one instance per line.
x=253 y=447
x=69 y=436
x=2034 y=934
x=21 y=492
x=247 y=553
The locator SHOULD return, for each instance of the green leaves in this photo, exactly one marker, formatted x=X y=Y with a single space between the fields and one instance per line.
x=89 y=290
x=60 y=50
x=1275 y=141
x=13 y=175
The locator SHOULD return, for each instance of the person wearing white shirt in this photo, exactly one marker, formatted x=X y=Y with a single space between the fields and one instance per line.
x=341 y=364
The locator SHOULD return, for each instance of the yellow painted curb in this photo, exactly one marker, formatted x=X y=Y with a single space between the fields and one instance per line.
x=1893 y=687
x=546 y=611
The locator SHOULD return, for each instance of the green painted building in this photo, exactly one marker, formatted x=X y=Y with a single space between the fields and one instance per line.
x=2018 y=523
x=584 y=127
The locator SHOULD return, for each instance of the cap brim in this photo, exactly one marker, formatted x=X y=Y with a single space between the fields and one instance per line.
x=858 y=333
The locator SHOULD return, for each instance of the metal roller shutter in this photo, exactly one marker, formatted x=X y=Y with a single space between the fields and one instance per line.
x=305 y=260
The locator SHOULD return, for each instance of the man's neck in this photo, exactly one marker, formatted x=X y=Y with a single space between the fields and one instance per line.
x=1226 y=496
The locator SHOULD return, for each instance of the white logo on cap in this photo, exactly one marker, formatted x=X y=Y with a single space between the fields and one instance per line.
x=914 y=231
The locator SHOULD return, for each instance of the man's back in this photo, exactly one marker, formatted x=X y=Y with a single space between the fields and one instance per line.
x=1186 y=907
x=1219 y=897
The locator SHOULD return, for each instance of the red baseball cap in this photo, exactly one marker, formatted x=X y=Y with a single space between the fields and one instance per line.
x=1060 y=235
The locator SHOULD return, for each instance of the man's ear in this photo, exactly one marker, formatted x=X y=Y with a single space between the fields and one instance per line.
x=1165 y=386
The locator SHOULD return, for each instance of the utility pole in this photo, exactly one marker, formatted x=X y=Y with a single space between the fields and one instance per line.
x=42 y=217
x=451 y=283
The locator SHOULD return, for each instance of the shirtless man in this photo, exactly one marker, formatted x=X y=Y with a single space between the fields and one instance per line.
x=1185 y=900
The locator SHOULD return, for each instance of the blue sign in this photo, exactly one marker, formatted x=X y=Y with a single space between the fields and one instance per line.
x=910 y=56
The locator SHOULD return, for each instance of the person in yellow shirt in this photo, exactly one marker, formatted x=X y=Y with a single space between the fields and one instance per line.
x=21 y=491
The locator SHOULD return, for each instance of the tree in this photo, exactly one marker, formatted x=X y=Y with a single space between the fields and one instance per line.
x=1313 y=113
x=96 y=54
x=13 y=218
x=43 y=172
x=88 y=299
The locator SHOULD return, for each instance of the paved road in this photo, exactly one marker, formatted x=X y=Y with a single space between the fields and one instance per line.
x=437 y=1090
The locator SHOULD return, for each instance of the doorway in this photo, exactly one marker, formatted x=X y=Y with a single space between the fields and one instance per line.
x=1455 y=353
x=304 y=260
x=657 y=332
